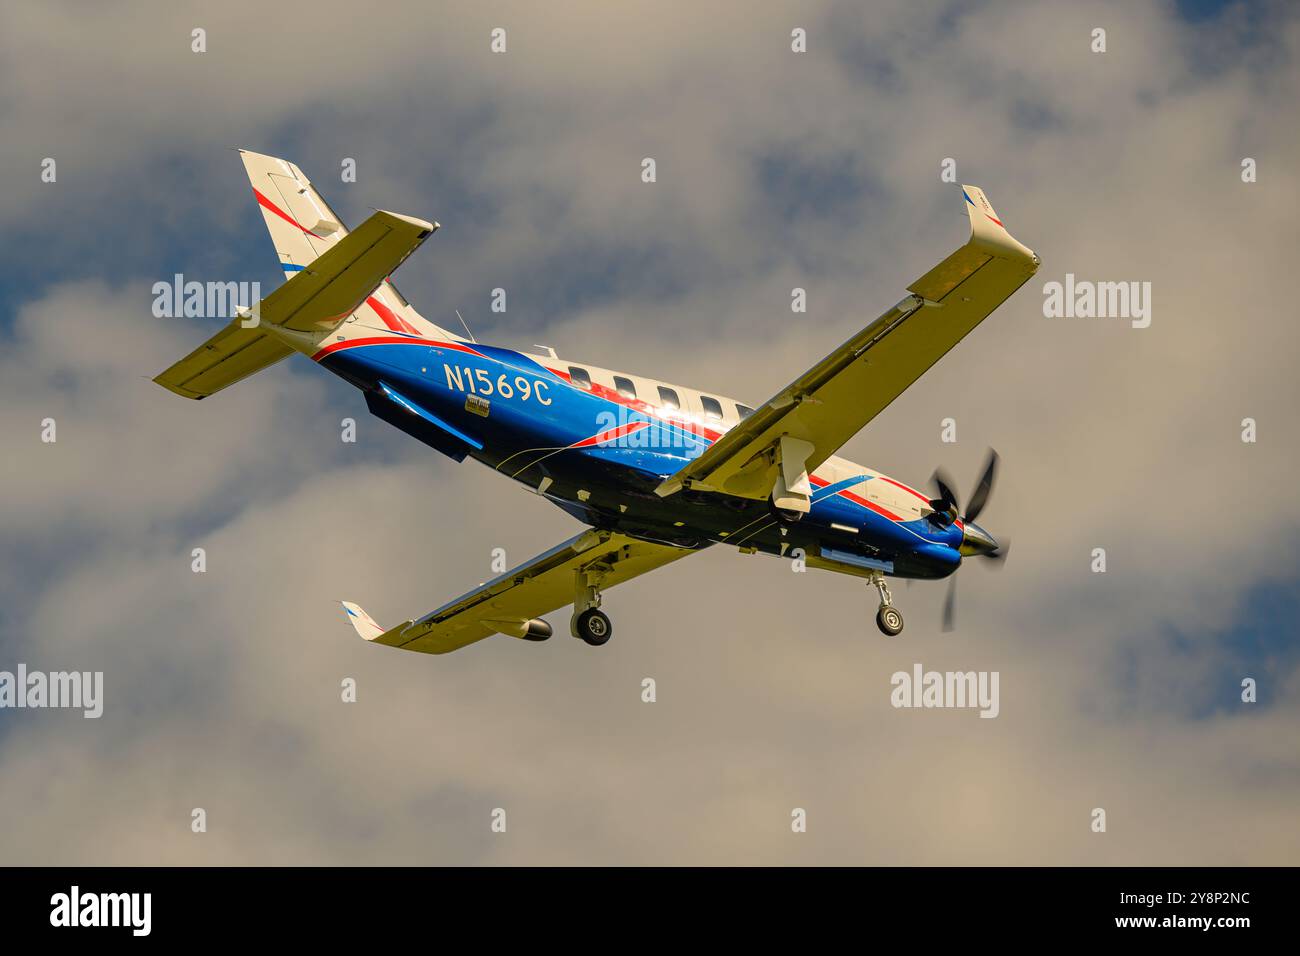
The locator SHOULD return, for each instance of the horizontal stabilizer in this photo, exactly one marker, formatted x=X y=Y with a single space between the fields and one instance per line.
x=315 y=300
x=326 y=292
x=230 y=356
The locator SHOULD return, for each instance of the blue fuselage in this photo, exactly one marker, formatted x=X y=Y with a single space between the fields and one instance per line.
x=600 y=459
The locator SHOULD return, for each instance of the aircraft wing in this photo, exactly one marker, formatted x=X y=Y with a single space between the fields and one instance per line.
x=509 y=604
x=807 y=421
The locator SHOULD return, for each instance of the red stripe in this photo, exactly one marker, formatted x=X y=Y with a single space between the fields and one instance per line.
x=611 y=434
x=266 y=203
x=899 y=484
x=390 y=340
x=612 y=395
x=411 y=328
x=858 y=499
x=390 y=318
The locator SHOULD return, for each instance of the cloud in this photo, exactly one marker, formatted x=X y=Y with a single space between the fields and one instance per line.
x=819 y=170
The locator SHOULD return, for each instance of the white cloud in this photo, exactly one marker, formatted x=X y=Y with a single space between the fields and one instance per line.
x=223 y=688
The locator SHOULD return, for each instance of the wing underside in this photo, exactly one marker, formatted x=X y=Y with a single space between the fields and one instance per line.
x=792 y=433
x=512 y=602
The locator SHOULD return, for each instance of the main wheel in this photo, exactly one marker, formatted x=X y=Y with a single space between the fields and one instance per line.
x=593 y=626
x=783 y=515
x=889 y=620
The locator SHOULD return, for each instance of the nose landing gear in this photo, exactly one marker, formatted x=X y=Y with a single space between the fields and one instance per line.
x=888 y=619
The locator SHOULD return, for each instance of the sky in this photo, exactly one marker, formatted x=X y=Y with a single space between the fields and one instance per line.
x=775 y=170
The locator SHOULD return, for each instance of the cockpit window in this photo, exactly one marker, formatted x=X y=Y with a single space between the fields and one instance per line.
x=743 y=410
x=624 y=386
x=579 y=377
x=712 y=408
x=668 y=399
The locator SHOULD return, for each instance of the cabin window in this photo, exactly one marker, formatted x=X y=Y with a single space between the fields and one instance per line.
x=579 y=377
x=711 y=406
x=744 y=411
x=624 y=387
x=668 y=399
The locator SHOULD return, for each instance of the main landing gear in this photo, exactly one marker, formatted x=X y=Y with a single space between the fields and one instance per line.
x=888 y=619
x=593 y=626
x=589 y=622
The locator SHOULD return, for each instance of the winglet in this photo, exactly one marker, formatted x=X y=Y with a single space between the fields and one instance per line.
x=988 y=239
x=987 y=229
x=365 y=624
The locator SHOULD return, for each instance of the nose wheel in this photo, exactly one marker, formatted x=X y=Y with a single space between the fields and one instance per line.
x=888 y=619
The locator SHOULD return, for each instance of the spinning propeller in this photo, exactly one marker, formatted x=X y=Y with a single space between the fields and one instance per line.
x=975 y=540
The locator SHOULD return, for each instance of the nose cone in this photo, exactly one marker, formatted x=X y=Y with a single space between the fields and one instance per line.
x=975 y=540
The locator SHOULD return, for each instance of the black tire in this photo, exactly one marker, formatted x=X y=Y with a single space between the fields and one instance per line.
x=782 y=515
x=889 y=621
x=594 y=627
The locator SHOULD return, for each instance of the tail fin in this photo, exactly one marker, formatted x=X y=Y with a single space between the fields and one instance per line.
x=303 y=227
x=299 y=314
x=301 y=223
x=350 y=283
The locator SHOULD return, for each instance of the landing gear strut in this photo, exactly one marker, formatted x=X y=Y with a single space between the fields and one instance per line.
x=888 y=619
x=589 y=622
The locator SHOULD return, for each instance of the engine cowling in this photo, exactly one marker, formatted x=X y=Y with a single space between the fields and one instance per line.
x=534 y=630
x=537 y=630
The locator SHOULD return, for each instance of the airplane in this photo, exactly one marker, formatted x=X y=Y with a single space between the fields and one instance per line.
x=656 y=471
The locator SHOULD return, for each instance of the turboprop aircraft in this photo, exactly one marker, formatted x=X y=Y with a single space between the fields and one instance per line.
x=656 y=471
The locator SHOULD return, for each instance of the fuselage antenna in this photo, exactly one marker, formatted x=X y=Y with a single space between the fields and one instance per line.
x=467 y=331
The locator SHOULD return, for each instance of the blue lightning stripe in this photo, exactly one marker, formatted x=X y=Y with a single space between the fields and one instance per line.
x=827 y=491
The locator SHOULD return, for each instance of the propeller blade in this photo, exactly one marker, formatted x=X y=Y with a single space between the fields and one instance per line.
x=981 y=496
x=941 y=480
x=1000 y=555
x=950 y=605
